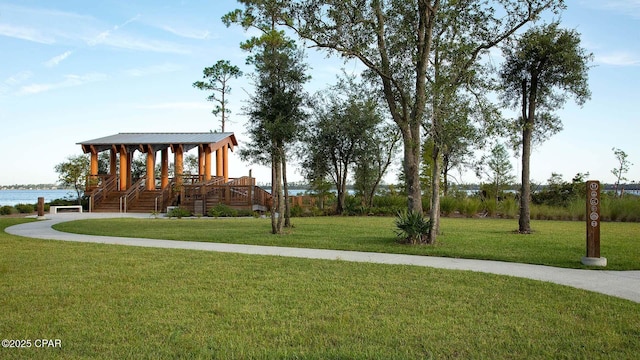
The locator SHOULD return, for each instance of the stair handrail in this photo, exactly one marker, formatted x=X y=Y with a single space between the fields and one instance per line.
x=107 y=185
x=132 y=194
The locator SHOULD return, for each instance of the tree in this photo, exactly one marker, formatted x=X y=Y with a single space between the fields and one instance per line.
x=216 y=79
x=541 y=69
x=275 y=111
x=620 y=169
x=74 y=172
x=498 y=170
x=394 y=40
x=341 y=135
x=373 y=161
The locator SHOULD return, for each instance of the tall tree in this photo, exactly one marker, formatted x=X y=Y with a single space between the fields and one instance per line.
x=621 y=168
x=340 y=134
x=374 y=158
x=498 y=170
x=541 y=69
x=216 y=79
x=394 y=40
x=74 y=172
x=276 y=109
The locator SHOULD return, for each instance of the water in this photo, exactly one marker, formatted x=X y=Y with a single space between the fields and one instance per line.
x=13 y=197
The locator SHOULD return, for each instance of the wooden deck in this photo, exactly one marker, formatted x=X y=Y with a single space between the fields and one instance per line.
x=194 y=195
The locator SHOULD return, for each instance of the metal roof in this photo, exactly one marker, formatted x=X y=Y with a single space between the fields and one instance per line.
x=160 y=140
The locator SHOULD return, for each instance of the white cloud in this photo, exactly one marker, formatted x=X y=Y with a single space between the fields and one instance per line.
x=68 y=81
x=139 y=44
x=54 y=61
x=24 y=33
x=618 y=59
x=103 y=36
x=188 y=33
x=628 y=7
x=18 y=78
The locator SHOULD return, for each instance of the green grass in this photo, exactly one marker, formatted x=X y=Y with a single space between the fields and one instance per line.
x=555 y=243
x=114 y=302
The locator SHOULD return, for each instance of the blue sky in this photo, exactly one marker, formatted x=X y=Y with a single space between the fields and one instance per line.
x=77 y=70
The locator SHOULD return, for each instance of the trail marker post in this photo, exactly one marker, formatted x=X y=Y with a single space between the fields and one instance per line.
x=40 y=207
x=593 y=226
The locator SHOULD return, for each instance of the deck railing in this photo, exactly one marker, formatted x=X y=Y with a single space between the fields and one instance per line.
x=132 y=194
x=104 y=184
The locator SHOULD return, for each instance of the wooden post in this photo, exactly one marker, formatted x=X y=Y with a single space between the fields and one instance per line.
x=94 y=162
x=151 y=168
x=225 y=164
x=219 y=162
x=40 y=207
x=178 y=163
x=201 y=163
x=112 y=161
x=207 y=162
x=593 y=226
x=123 y=168
x=164 y=168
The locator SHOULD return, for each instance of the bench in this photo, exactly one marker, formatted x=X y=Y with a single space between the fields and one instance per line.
x=54 y=209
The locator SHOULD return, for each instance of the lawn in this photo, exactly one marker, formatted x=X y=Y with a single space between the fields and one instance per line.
x=555 y=243
x=109 y=301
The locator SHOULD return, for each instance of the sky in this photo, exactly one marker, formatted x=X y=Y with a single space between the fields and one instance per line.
x=72 y=71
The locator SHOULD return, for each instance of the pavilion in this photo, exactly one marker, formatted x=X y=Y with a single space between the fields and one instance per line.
x=118 y=184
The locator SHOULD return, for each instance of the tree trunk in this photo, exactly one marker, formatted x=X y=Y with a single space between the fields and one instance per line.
x=528 y=116
x=287 y=209
x=411 y=137
x=276 y=190
x=434 y=212
x=524 y=221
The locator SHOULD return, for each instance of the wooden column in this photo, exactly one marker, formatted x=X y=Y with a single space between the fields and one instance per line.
x=201 y=172
x=164 y=168
x=207 y=162
x=219 y=162
x=94 y=162
x=225 y=163
x=123 y=168
x=129 y=173
x=151 y=168
x=112 y=161
x=178 y=163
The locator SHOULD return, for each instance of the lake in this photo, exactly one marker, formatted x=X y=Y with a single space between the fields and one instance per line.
x=13 y=197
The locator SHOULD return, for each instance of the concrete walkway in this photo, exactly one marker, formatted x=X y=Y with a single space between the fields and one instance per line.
x=622 y=284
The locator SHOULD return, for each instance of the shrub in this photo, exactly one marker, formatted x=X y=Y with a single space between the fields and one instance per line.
x=179 y=212
x=490 y=207
x=222 y=210
x=6 y=210
x=413 y=227
x=471 y=207
x=447 y=205
x=509 y=208
x=25 y=208
x=296 y=211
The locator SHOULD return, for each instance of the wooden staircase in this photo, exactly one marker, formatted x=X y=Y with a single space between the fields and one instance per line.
x=110 y=203
x=147 y=202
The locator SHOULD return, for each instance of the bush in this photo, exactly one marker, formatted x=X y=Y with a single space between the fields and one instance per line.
x=471 y=207
x=25 y=208
x=509 y=208
x=6 y=210
x=413 y=227
x=222 y=210
x=179 y=213
x=490 y=207
x=448 y=205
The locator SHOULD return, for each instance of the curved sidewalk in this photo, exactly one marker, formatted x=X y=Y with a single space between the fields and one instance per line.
x=622 y=284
